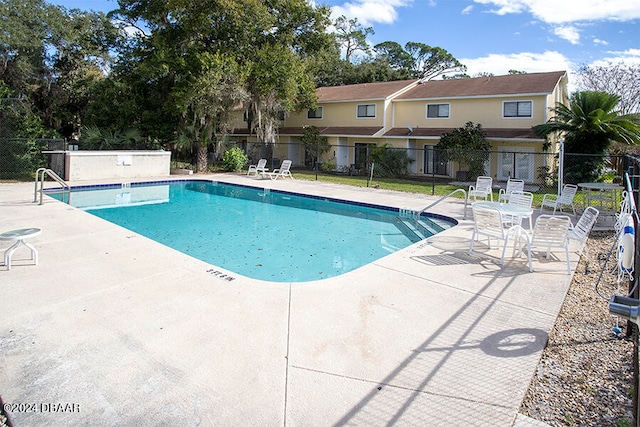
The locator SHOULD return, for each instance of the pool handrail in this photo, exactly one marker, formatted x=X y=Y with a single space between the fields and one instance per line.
x=40 y=174
x=444 y=197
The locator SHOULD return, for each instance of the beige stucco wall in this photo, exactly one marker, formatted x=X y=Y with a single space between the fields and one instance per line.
x=485 y=111
x=91 y=165
x=338 y=114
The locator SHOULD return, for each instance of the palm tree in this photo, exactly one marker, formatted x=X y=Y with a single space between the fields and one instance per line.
x=589 y=124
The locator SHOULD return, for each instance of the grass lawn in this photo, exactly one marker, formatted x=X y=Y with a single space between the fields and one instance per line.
x=406 y=185
x=409 y=185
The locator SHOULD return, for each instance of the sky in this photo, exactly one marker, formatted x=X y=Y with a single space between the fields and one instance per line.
x=494 y=36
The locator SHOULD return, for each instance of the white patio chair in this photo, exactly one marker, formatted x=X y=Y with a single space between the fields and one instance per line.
x=512 y=185
x=282 y=171
x=580 y=232
x=259 y=168
x=488 y=222
x=483 y=188
x=551 y=232
x=565 y=198
x=519 y=198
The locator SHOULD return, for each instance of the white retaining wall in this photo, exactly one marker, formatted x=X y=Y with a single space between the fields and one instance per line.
x=92 y=165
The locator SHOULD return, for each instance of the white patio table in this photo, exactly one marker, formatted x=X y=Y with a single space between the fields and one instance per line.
x=20 y=236
x=510 y=210
x=601 y=194
x=506 y=208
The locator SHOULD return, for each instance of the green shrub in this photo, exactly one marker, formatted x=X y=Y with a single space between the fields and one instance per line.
x=390 y=162
x=314 y=144
x=623 y=422
x=328 y=167
x=467 y=145
x=234 y=159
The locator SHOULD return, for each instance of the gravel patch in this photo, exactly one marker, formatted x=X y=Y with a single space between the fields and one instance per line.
x=585 y=375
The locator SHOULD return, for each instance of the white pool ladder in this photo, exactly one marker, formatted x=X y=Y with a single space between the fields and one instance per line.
x=444 y=197
x=40 y=174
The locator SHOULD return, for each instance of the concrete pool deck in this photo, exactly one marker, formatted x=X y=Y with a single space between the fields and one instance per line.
x=111 y=328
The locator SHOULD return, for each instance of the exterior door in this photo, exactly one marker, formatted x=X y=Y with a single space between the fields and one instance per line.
x=516 y=162
x=342 y=154
x=434 y=163
x=412 y=153
x=294 y=152
x=362 y=155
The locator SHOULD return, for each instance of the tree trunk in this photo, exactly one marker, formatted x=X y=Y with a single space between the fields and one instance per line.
x=202 y=161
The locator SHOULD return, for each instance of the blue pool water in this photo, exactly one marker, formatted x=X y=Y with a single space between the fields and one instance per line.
x=267 y=235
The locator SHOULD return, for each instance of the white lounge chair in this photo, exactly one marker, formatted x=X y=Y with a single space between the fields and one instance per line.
x=580 y=232
x=512 y=185
x=282 y=171
x=483 y=188
x=565 y=198
x=488 y=222
x=551 y=232
x=259 y=168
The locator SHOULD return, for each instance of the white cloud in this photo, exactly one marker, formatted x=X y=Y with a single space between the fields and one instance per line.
x=629 y=57
x=504 y=7
x=569 y=33
x=369 y=12
x=601 y=42
x=529 y=62
x=499 y=64
x=467 y=10
x=559 y=12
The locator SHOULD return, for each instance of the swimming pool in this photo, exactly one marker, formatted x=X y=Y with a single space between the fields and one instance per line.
x=267 y=235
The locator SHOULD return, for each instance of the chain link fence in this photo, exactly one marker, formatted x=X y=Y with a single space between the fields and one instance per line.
x=579 y=168
x=20 y=157
x=540 y=171
x=427 y=164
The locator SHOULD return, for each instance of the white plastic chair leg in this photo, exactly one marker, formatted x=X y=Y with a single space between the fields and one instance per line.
x=9 y=253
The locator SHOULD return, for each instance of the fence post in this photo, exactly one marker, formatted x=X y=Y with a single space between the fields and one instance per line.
x=635 y=294
x=632 y=165
x=560 y=167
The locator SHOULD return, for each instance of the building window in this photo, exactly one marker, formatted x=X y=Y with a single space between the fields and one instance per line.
x=281 y=115
x=314 y=114
x=367 y=110
x=518 y=109
x=437 y=111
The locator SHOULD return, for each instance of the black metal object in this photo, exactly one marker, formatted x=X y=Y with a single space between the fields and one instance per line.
x=625 y=307
x=5 y=414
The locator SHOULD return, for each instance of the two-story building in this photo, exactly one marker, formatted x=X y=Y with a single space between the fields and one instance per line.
x=413 y=114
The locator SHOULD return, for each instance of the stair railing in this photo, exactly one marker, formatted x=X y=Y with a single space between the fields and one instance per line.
x=40 y=175
x=443 y=198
